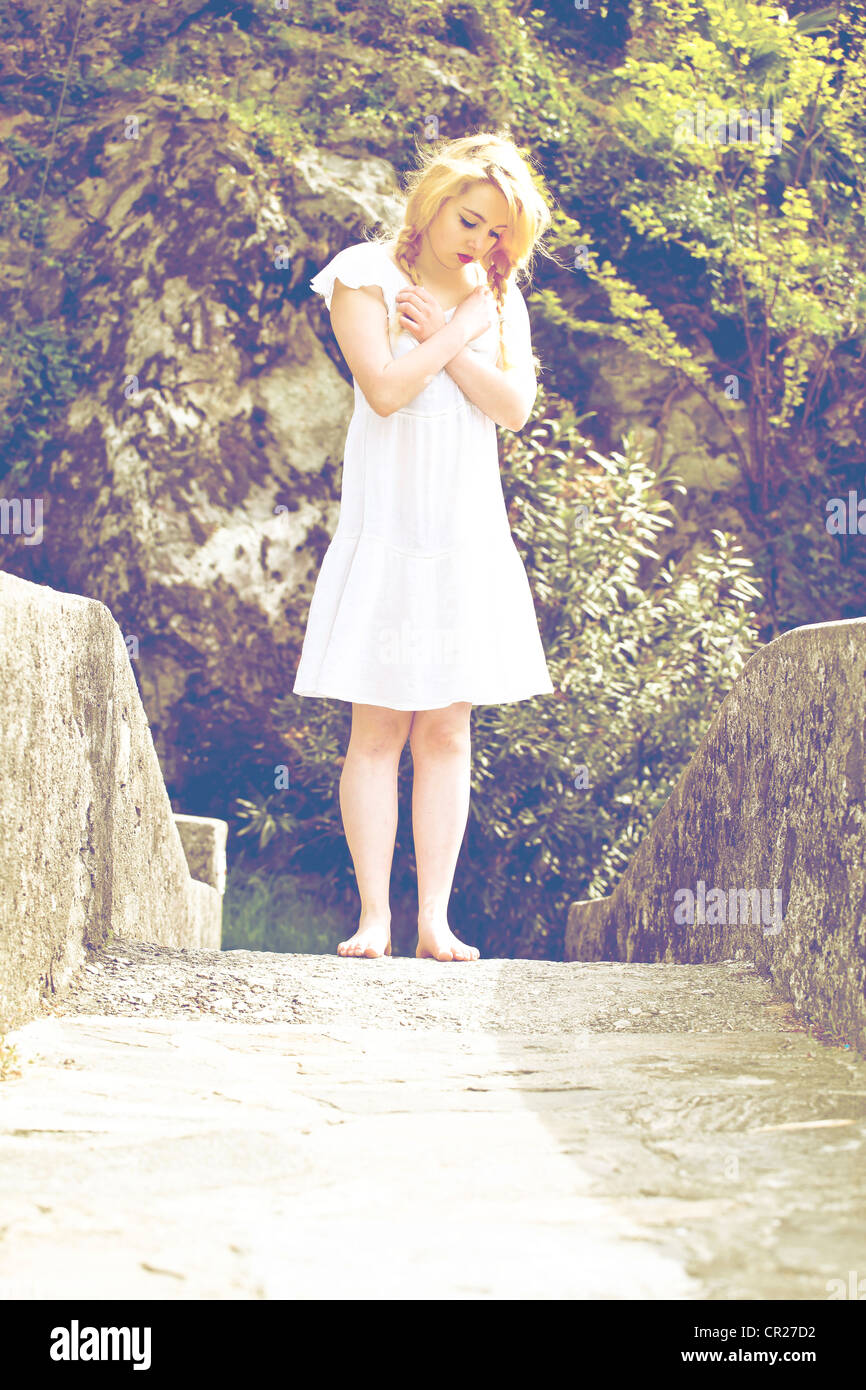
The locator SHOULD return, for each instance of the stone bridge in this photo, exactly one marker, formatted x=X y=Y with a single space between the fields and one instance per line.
x=677 y=1110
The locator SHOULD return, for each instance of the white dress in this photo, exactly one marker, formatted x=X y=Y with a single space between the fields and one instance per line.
x=422 y=598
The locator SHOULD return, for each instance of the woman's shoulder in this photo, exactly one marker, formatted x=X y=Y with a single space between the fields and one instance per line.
x=369 y=255
x=362 y=263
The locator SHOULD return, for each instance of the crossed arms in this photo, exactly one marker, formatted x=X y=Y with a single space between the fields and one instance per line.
x=360 y=326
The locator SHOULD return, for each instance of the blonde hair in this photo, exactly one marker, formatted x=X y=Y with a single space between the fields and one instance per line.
x=446 y=170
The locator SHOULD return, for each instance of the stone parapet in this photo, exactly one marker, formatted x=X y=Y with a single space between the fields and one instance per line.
x=761 y=849
x=89 y=845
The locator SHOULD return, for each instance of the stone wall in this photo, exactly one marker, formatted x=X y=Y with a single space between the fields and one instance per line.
x=771 y=810
x=88 y=842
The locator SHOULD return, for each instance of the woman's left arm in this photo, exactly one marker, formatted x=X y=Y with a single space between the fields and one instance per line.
x=507 y=397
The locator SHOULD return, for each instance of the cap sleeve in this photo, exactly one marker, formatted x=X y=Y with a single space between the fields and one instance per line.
x=362 y=264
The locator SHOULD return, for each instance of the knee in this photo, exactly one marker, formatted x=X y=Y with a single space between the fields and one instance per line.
x=384 y=740
x=438 y=739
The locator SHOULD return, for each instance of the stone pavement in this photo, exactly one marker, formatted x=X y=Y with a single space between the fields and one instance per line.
x=197 y=1124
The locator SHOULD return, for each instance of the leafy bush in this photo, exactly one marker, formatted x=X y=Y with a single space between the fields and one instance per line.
x=266 y=911
x=41 y=368
x=565 y=785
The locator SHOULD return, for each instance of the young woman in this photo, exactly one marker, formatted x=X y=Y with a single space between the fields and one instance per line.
x=422 y=606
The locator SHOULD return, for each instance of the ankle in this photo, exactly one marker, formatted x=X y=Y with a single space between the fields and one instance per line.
x=432 y=916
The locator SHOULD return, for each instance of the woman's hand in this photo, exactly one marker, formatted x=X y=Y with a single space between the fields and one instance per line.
x=477 y=312
x=419 y=313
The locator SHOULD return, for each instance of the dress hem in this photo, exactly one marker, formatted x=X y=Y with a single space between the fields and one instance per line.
x=361 y=700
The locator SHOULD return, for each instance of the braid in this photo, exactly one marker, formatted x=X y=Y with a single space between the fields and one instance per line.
x=497 y=285
x=406 y=250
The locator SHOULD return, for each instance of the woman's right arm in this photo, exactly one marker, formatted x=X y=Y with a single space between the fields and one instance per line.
x=360 y=323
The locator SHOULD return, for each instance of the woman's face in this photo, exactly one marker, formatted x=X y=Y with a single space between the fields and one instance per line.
x=469 y=227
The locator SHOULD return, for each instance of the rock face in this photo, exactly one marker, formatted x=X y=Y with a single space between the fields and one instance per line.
x=196 y=483
x=193 y=483
x=770 y=814
x=626 y=388
x=88 y=845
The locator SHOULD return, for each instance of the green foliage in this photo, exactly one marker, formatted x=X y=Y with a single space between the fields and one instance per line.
x=267 y=911
x=24 y=153
x=767 y=245
x=10 y=1060
x=640 y=667
x=770 y=230
x=395 y=26
x=37 y=367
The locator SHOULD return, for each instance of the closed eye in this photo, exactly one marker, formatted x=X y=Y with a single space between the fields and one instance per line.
x=475 y=224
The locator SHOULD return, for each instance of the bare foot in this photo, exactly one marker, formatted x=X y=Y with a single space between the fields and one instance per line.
x=373 y=938
x=436 y=940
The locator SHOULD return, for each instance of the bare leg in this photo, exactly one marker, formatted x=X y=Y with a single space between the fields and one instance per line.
x=368 y=802
x=441 y=750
